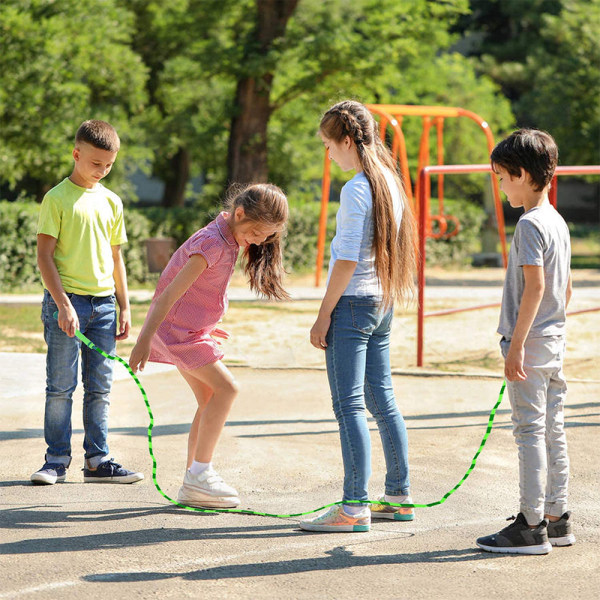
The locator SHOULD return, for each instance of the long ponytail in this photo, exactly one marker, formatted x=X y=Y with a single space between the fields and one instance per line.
x=394 y=248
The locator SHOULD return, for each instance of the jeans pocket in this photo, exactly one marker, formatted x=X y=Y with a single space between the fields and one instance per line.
x=366 y=315
x=48 y=307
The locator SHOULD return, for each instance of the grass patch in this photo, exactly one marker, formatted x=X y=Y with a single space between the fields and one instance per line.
x=21 y=328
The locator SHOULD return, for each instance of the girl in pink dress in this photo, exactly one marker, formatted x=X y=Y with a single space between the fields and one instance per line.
x=190 y=299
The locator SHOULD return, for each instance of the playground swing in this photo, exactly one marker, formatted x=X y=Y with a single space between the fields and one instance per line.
x=391 y=116
x=439 y=225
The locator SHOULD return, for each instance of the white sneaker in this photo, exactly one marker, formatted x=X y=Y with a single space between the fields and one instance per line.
x=207 y=490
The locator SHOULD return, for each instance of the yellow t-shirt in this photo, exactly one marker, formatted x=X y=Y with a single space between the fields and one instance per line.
x=86 y=223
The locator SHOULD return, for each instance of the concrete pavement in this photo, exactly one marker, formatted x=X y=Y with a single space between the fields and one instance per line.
x=280 y=449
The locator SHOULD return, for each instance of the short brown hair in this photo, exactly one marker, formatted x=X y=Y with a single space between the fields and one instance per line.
x=533 y=150
x=99 y=134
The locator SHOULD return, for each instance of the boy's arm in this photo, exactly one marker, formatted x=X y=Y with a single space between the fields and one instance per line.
x=67 y=317
x=121 y=293
x=569 y=290
x=530 y=303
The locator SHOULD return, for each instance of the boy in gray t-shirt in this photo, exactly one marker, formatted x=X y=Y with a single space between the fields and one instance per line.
x=537 y=290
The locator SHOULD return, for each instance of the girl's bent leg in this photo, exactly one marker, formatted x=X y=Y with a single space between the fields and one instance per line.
x=203 y=395
x=217 y=378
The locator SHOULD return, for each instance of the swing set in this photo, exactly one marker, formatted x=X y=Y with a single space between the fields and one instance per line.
x=433 y=225
x=390 y=119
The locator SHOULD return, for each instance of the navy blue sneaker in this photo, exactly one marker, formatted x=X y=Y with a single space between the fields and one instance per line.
x=49 y=474
x=110 y=472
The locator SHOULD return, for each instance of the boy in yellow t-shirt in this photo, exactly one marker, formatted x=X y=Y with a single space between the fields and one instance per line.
x=79 y=239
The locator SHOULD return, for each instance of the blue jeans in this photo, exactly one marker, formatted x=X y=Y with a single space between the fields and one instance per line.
x=98 y=321
x=360 y=378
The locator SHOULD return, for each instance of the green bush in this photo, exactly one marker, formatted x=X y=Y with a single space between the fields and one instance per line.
x=138 y=227
x=18 y=224
x=18 y=229
x=144 y=223
x=300 y=245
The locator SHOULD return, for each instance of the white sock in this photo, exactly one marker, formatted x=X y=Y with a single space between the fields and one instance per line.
x=398 y=499
x=353 y=509
x=198 y=467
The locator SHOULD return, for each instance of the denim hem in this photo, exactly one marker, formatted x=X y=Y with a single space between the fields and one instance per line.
x=95 y=461
x=61 y=460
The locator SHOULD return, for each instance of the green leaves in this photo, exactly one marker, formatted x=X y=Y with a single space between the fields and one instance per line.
x=62 y=63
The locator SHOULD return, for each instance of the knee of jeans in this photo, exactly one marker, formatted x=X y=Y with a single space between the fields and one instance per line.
x=60 y=388
x=349 y=407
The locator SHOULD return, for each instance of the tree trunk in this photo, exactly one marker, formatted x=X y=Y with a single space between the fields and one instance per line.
x=247 y=151
x=176 y=179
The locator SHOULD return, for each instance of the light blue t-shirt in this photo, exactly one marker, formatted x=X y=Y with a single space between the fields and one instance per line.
x=354 y=233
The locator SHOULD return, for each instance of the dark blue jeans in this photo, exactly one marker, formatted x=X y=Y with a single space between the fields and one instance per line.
x=360 y=378
x=98 y=321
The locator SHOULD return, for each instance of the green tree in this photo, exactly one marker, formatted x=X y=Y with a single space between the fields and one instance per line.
x=332 y=48
x=545 y=55
x=187 y=46
x=62 y=62
x=222 y=82
x=565 y=96
x=397 y=59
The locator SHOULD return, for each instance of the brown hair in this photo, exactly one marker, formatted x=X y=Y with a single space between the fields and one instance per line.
x=394 y=250
x=266 y=204
x=531 y=149
x=99 y=134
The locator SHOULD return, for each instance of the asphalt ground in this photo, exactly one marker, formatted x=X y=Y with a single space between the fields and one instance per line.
x=280 y=449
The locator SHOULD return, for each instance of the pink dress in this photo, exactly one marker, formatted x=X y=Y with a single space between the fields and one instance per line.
x=183 y=338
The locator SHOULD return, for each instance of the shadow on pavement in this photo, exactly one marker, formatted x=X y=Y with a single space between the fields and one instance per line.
x=183 y=428
x=28 y=519
x=335 y=559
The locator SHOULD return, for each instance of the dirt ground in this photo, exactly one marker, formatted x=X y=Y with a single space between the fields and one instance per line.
x=276 y=334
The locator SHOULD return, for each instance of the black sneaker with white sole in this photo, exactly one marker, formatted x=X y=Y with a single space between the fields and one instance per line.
x=110 y=472
x=518 y=538
x=560 y=532
x=49 y=474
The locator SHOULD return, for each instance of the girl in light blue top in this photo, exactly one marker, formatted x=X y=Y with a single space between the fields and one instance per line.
x=372 y=265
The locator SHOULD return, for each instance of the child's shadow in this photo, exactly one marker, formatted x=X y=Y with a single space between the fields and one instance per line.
x=335 y=559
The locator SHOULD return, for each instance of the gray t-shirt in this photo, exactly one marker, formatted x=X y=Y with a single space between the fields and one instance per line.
x=541 y=239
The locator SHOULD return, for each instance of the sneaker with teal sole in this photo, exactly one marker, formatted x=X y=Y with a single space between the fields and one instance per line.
x=336 y=519
x=397 y=513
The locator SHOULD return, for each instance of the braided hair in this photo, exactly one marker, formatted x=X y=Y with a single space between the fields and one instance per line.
x=393 y=248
